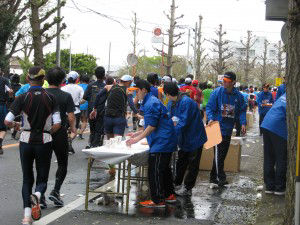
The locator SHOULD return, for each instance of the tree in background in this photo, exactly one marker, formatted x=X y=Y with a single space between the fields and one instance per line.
x=12 y=14
x=264 y=58
x=280 y=59
x=82 y=63
x=41 y=28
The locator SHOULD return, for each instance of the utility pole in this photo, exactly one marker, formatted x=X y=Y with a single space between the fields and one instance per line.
x=58 y=34
x=134 y=43
x=109 y=51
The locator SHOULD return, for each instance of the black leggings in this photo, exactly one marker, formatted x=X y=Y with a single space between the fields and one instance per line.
x=60 y=148
x=41 y=154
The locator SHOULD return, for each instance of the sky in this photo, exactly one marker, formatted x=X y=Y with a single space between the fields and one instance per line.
x=88 y=32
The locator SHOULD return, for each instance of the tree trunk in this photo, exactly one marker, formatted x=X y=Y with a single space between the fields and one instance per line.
x=171 y=41
x=36 y=37
x=293 y=98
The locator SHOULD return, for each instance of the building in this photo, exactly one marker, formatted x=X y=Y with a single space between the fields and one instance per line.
x=15 y=66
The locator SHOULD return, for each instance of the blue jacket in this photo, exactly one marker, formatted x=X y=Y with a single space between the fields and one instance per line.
x=84 y=106
x=281 y=90
x=264 y=98
x=275 y=120
x=226 y=107
x=190 y=128
x=154 y=91
x=163 y=138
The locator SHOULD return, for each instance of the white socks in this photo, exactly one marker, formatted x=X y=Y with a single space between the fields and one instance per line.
x=38 y=194
x=27 y=212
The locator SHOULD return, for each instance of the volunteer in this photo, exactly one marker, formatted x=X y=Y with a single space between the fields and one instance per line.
x=264 y=101
x=39 y=111
x=191 y=136
x=225 y=105
x=281 y=90
x=161 y=137
x=274 y=128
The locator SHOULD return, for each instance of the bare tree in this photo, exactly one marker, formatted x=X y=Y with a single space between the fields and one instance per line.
x=248 y=64
x=264 y=58
x=42 y=34
x=280 y=59
x=134 y=42
x=221 y=48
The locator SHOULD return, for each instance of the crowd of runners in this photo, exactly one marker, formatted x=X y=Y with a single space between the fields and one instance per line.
x=54 y=108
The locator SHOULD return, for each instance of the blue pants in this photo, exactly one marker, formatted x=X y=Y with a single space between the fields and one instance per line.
x=41 y=153
x=275 y=161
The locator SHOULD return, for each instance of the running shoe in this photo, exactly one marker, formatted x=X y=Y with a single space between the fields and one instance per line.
x=35 y=207
x=55 y=198
x=80 y=137
x=171 y=199
x=43 y=203
x=27 y=221
x=151 y=204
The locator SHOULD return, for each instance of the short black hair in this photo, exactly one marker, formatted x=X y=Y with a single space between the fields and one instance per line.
x=15 y=79
x=55 y=76
x=152 y=78
x=171 y=88
x=100 y=72
x=143 y=84
x=190 y=76
x=136 y=78
x=109 y=80
x=85 y=78
x=181 y=80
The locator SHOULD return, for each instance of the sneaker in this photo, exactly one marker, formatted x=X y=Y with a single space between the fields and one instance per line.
x=151 y=204
x=222 y=183
x=279 y=193
x=43 y=203
x=71 y=150
x=184 y=192
x=269 y=191
x=171 y=199
x=80 y=137
x=1 y=151
x=55 y=198
x=260 y=188
x=213 y=181
x=35 y=207
x=27 y=221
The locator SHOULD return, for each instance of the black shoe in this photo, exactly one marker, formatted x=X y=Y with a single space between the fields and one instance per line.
x=87 y=147
x=213 y=181
x=222 y=183
x=43 y=203
x=1 y=150
x=80 y=136
x=55 y=197
x=71 y=150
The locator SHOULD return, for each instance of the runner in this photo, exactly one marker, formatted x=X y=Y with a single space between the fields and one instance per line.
x=206 y=96
x=15 y=86
x=77 y=95
x=225 y=104
x=55 y=77
x=90 y=94
x=265 y=102
x=5 y=92
x=161 y=137
x=188 y=88
x=84 y=81
x=39 y=111
x=191 y=136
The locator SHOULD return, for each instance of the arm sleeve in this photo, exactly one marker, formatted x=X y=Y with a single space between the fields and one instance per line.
x=211 y=107
x=21 y=90
x=183 y=117
x=70 y=104
x=16 y=106
x=131 y=104
x=152 y=115
x=242 y=117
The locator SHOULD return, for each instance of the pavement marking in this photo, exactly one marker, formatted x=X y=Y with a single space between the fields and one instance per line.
x=71 y=206
x=10 y=145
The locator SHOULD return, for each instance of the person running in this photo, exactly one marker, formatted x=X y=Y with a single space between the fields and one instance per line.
x=225 y=105
x=162 y=140
x=206 y=96
x=265 y=102
x=97 y=123
x=5 y=93
x=40 y=118
x=191 y=136
x=77 y=95
x=274 y=128
x=84 y=81
x=55 y=77
x=188 y=88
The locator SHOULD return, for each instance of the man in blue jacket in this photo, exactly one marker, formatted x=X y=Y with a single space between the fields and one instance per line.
x=161 y=137
x=265 y=102
x=191 y=137
x=225 y=105
x=274 y=128
x=281 y=90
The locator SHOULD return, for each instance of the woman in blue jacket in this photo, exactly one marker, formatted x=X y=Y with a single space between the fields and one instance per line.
x=274 y=128
x=225 y=105
x=161 y=137
x=191 y=136
x=265 y=102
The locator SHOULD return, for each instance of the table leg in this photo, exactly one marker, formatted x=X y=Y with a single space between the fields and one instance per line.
x=87 y=188
x=119 y=176
x=128 y=186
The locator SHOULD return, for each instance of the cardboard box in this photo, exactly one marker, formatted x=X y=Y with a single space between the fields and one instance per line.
x=249 y=117
x=233 y=159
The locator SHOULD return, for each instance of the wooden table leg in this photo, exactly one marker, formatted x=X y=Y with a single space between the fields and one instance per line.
x=87 y=188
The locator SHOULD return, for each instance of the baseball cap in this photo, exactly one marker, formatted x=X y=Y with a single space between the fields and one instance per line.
x=126 y=78
x=174 y=80
x=36 y=72
x=229 y=77
x=195 y=82
x=188 y=80
x=167 y=79
x=73 y=74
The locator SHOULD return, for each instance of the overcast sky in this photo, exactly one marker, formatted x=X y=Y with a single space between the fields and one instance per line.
x=90 y=32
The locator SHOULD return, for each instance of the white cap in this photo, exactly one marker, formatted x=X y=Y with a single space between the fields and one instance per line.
x=174 y=80
x=73 y=74
x=126 y=78
x=167 y=79
x=188 y=80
